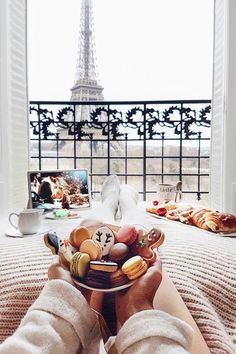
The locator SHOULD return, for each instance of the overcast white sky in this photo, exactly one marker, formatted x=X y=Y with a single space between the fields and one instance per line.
x=145 y=49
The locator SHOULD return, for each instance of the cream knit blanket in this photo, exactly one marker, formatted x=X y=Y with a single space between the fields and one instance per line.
x=202 y=267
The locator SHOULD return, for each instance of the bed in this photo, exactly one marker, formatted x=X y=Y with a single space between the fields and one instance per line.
x=201 y=265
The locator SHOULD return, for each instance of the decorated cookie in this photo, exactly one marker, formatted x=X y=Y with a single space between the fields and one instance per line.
x=145 y=243
x=106 y=237
x=61 y=247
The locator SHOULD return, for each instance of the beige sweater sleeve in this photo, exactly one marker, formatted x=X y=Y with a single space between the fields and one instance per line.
x=154 y=331
x=60 y=321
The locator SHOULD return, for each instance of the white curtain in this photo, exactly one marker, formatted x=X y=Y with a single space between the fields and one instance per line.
x=13 y=108
x=223 y=152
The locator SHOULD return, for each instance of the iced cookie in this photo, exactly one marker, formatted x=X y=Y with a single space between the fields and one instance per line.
x=78 y=235
x=106 y=237
x=61 y=247
x=146 y=242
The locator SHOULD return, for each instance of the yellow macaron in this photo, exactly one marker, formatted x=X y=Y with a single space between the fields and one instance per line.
x=134 y=267
x=92 y=248
x=79 y=264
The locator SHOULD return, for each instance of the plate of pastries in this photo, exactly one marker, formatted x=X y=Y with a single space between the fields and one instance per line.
x=106 y=257
x=203 y=218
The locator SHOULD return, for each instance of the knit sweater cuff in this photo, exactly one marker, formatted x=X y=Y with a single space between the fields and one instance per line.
x=63 y=300
x=154 y=323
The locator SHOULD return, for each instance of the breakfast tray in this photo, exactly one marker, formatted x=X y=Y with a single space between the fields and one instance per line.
x=192 y=226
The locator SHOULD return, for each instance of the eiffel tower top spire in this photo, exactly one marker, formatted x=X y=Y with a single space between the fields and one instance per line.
x=86 y=86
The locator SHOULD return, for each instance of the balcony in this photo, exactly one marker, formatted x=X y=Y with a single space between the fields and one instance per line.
x=143 y=142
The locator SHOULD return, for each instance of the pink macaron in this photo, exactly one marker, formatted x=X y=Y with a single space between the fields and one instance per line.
x=127 y=234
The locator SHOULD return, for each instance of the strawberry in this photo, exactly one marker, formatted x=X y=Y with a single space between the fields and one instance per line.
x=155 y=203
x=161 y=211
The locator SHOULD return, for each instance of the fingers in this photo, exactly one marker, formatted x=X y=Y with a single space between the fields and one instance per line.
x=157 y=265
x=55 y=260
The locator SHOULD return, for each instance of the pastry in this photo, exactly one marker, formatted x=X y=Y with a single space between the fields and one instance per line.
x=92 y=248
x=127 y=234
x=118 y=252
x=168 y=205
x=134 y=267
x=173 y=215
x=146 y=242
x=98 y=279
x=161 y=211
x=106 y=237
x=181 y=214
x=186 y=216
x=79 y=264
x=220 y=222
x=103 y=266
x=151 y=210
x=61 y=247
x=78 y=235
x=118 y=278
x=198 y=218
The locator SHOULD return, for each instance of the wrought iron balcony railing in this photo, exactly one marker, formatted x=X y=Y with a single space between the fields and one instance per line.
x=143 y=142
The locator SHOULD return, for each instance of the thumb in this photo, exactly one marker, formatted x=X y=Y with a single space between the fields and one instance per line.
x=55 y=260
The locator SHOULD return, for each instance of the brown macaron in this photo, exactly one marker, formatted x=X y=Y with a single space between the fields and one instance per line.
x=118 y=252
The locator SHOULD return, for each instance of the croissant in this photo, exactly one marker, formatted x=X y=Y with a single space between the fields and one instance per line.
x=220 y=222
x=198 y=218
x=186 y=216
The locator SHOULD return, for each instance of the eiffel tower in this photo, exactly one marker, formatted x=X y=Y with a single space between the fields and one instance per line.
x=86 y=86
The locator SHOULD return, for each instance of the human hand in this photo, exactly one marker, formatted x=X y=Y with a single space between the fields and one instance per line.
x=140 y=295
x=57 y=271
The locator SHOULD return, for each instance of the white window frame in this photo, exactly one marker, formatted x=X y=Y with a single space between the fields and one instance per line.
x=223 y=154
x=14 y=137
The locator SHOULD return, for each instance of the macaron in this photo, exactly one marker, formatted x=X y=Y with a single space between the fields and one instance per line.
x=118 y=278
x=79 y=264
x=118 y=252
x=78 y=235
x=134 y=267
x=103 y=266
x=106 y=237
x=98 y=279
x=92 y=248
x=127 y=234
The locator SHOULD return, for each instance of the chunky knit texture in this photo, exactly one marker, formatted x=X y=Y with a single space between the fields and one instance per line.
x=202 y=267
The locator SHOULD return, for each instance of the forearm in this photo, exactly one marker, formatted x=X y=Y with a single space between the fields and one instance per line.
x=59 y=321
x=154 y=331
